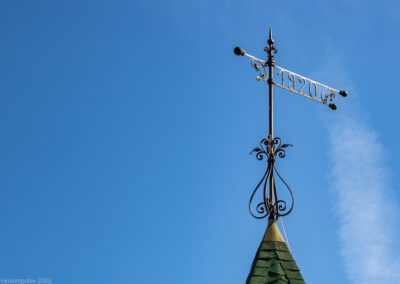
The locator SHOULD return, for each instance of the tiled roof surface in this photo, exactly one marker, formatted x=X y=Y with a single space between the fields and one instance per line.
x=274 y=263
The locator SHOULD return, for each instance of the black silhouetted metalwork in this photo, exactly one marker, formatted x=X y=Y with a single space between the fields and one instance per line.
x=271 y=147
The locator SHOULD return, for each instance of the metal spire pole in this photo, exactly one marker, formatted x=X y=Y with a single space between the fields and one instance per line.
x=270 y=63
x=272 y=147
x=270 y=51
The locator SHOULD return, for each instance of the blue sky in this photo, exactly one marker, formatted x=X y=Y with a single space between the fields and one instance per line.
x=126 y=128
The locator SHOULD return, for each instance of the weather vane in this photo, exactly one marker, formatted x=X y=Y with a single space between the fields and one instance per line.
x=272 y=147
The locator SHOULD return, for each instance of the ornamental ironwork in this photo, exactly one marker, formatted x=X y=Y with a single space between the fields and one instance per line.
x=271 y=148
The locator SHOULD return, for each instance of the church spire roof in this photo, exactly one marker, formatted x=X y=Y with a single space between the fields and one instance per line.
x=273 y=263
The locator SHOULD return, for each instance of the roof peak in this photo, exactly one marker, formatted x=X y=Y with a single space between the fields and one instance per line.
x=272 y=233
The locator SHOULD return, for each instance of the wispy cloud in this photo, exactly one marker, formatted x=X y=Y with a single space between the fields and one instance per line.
x=365 y=205
x=365 y=202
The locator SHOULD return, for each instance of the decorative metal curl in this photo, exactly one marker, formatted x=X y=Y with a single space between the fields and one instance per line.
x=260 y=67
x=270 y=148
x=327 y=97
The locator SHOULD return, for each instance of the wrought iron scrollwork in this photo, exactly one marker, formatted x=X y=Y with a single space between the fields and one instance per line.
x=270 y=148
x=260 y=67
x=327 y=95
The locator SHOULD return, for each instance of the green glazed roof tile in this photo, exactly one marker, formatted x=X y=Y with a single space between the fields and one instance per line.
x=276 y=268
x=296 y=282
x=279 y=282
x=273 y=279
x=273 y=246
x=266 y=254
x=262 y=263
x=256 y=280
x=294 y=275
x=274 y=264
x=290 y=265
x=283 y=255
x=260 y=271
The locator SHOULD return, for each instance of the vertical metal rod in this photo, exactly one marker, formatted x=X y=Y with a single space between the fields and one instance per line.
x=271 y=63
x=270 y=83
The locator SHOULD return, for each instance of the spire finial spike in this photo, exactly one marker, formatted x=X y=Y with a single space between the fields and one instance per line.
x=270 y=32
